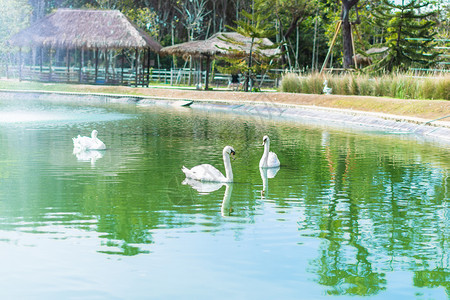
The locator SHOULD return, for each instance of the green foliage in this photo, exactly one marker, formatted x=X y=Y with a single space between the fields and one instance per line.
x=122 y=5
x=255 y=27
x=144 y=18
x=290 y=17
x=14 y=16
x=408 y=36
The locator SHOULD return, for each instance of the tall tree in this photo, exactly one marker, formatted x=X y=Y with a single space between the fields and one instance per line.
x=347 y=31
x=409 y=35
x=14 y=16
x=288 y=15
x=193 y=14
x=256 y=27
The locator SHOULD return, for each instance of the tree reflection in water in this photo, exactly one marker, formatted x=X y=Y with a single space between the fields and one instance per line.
x=377 y=216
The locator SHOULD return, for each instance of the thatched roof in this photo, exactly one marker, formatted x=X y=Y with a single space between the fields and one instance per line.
x=213 y=45
x=78 y=28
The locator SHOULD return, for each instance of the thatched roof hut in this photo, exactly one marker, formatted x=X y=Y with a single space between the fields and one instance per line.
x=216 y=46
x=82 y=28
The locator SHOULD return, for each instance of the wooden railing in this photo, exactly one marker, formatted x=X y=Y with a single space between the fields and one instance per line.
x=127 y=76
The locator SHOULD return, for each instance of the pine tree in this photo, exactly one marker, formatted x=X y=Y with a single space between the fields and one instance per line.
x=408 y=35
x=255 y=27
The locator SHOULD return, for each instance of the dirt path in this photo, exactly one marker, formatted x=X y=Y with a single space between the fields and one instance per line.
x=424 y=109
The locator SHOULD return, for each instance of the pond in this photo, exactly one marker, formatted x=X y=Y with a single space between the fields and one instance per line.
x=347 y=214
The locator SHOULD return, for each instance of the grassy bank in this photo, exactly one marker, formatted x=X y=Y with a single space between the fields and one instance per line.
x=395 y=86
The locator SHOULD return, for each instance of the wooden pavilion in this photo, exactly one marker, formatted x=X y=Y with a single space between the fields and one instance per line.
x=85 y=39
x=217 y=45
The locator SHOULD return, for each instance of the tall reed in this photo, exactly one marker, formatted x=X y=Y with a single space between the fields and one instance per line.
x=404 y=86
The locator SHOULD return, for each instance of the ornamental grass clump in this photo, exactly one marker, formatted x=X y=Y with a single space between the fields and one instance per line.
x=428 y=89
x=366 y=86
x=400 y=85
x=311 y=84
x=291 y=83
x=341 y=85
x=442 y=90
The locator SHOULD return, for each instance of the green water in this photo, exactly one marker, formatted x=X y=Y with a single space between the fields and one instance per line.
x=347 y=214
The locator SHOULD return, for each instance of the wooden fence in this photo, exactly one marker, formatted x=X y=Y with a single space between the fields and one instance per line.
x=128 y=76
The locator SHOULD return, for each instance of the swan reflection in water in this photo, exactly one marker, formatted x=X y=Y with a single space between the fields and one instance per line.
x=88 y=155
x=209 y=187
x=267 y=173
x=86 y=148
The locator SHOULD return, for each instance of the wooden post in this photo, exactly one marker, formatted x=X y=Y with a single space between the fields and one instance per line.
x=20 y=63
x=81 y=65
x=41 y=58
x=353 y=47
x=123 y=63
x=68 y=64
x=50 y=56
x=208 y=66
x=136 y=62
x=8 y=59
x=33 y=62
x=106 y=66
x=314 y=42
x=338 y=26
x=96 y=66
x=148 y=66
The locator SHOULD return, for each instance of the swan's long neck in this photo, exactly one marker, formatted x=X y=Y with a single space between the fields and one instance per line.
x=266 y=153
x=227 y=164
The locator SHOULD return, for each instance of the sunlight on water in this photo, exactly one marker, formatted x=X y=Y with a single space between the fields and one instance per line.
x=41 y=116
x=346 y=214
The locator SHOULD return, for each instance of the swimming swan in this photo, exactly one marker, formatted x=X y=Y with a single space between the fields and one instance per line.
x=269 y=159
x=207 y=172
x=83 y=143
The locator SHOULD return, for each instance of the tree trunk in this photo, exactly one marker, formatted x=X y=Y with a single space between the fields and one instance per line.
x=347 y=33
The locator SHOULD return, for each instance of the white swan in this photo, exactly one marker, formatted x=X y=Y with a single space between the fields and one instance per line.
x=269 y=159
x=207 y=172
x=82 y=143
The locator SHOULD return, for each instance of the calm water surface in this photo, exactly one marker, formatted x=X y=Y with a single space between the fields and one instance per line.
x=347 y=214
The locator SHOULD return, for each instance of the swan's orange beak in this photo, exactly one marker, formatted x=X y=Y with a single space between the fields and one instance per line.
x=232 y=153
